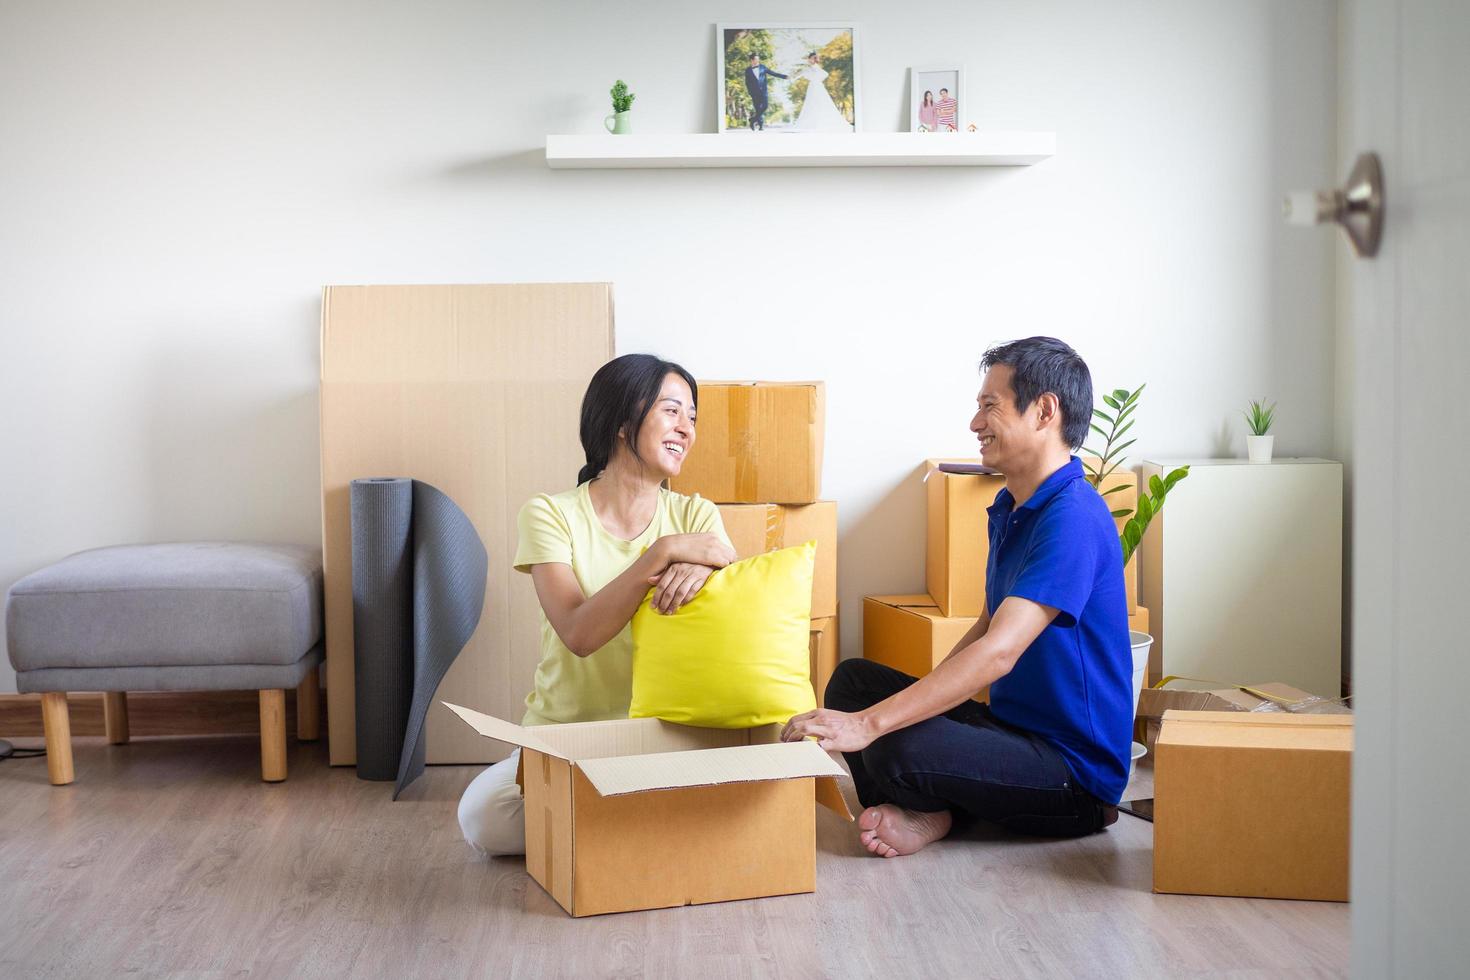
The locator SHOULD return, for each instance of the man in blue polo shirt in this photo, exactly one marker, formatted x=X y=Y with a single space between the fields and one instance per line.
x=1049 y=754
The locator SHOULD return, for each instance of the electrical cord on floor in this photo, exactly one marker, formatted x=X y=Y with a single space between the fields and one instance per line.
x=8 y=751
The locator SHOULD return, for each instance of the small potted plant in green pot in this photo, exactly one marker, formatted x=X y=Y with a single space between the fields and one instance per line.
x=619 y=122
x=1258 y=444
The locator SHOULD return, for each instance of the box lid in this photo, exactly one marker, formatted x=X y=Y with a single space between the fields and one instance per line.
x=620 y=775
x=1257 y=730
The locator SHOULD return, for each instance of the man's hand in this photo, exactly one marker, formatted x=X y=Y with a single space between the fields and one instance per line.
x=837 y=731
x=678 y=584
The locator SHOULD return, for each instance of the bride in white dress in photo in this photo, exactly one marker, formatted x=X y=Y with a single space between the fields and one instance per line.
x=819 y=114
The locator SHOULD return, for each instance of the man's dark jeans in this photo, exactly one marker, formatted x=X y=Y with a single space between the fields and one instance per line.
x=964 y=760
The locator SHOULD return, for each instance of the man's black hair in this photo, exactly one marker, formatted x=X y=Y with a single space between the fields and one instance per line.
x=620 y=396
x=1042 y=364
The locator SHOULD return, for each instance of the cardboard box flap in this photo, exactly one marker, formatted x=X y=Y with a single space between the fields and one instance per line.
x=504 y=731
x=580 y=741
x=1154 y=701
x=1257 y=729
x=829 y=795
x=708 y=767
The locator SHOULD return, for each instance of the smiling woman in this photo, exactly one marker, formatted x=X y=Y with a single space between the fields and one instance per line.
x=593 y=552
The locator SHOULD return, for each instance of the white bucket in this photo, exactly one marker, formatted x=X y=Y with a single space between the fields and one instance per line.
x=1141 y=643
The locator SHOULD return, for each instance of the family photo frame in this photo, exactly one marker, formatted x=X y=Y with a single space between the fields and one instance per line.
x=936 y=99
x=787 y=77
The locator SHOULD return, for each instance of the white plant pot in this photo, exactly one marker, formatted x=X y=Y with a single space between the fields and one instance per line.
x=1258 y=448
x=1141 y=643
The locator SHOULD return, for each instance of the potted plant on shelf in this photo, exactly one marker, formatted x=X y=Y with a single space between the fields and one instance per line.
x=1123 y=404
x=1258 y=444
x=622 y=103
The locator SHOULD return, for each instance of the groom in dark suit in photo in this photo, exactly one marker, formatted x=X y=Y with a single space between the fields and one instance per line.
x=755 y=83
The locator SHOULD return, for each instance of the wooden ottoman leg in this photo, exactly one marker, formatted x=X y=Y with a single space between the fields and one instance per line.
x=56 y=722
x=115 y=716
x=309 y=706
x=273 y=735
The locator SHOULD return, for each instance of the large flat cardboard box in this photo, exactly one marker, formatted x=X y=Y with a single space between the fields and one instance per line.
x=826 y=650
x=643 y=814
x=758 y=442
x=957 y=540
x=1253 y=804
x=474 y=389
x=755 y=529
x=1154 y=701
x=907 y=633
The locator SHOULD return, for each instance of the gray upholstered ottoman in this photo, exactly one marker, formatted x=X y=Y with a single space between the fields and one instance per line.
x=202 y=616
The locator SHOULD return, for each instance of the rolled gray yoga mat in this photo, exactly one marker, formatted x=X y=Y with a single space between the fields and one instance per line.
x=418 y=589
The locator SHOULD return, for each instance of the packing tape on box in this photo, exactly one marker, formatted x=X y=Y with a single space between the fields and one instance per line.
x=775 y=526
x=740 y=424
x=418 y=589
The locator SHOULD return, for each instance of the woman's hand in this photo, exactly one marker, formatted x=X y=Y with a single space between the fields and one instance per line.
x=696 y=549
x=837 y=731
x=678 y=584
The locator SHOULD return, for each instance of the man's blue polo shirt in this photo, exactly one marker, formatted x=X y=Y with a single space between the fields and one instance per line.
x=1073 y=685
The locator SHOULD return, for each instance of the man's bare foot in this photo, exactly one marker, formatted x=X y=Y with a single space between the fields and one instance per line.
x=889 y=831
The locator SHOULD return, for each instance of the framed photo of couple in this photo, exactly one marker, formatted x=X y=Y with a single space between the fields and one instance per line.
x=787 y=78
x=935 y=97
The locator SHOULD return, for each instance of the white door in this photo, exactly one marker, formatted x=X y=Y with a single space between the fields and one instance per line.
x=1406 y=320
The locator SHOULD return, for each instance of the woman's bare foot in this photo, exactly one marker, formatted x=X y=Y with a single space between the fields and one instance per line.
x=889 y=831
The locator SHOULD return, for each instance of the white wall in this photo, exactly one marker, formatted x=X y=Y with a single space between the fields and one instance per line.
x=178 y=180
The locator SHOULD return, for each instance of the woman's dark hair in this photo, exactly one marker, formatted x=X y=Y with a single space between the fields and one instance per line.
x=1042 y=364
x=619 y=397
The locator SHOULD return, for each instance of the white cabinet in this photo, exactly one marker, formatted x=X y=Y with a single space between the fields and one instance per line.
x=1243 y=573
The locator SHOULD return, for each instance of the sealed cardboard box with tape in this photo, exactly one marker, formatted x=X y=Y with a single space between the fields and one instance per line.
x=907 y=633
x=644 y=814
x=957 y=539
x=755 y=529
x=1253 y=804
x=759 y=442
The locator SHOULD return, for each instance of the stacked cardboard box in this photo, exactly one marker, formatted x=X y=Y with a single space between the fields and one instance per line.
x=914 y=633
x=759 y=457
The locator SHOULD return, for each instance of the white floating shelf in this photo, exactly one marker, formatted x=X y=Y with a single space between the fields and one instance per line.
x=745 y=149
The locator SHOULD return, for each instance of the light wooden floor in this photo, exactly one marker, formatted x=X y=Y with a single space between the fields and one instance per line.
x=169 y=857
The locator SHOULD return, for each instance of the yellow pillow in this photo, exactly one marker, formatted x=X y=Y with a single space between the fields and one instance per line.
x=737 y=655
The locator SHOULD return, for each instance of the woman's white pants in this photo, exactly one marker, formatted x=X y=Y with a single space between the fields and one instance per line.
x=491 y=810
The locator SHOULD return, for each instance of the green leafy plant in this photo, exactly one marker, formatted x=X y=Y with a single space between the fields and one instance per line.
x=622 y=99
x=1151 y=498
x=1260 y=416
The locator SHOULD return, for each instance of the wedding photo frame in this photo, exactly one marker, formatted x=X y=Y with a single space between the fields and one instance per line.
x=936 y=99
x=765 y=73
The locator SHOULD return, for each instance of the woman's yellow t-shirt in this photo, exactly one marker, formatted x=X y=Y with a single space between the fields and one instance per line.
x=563 y=528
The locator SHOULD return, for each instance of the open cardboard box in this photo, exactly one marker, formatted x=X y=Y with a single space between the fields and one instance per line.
x=644 y=814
